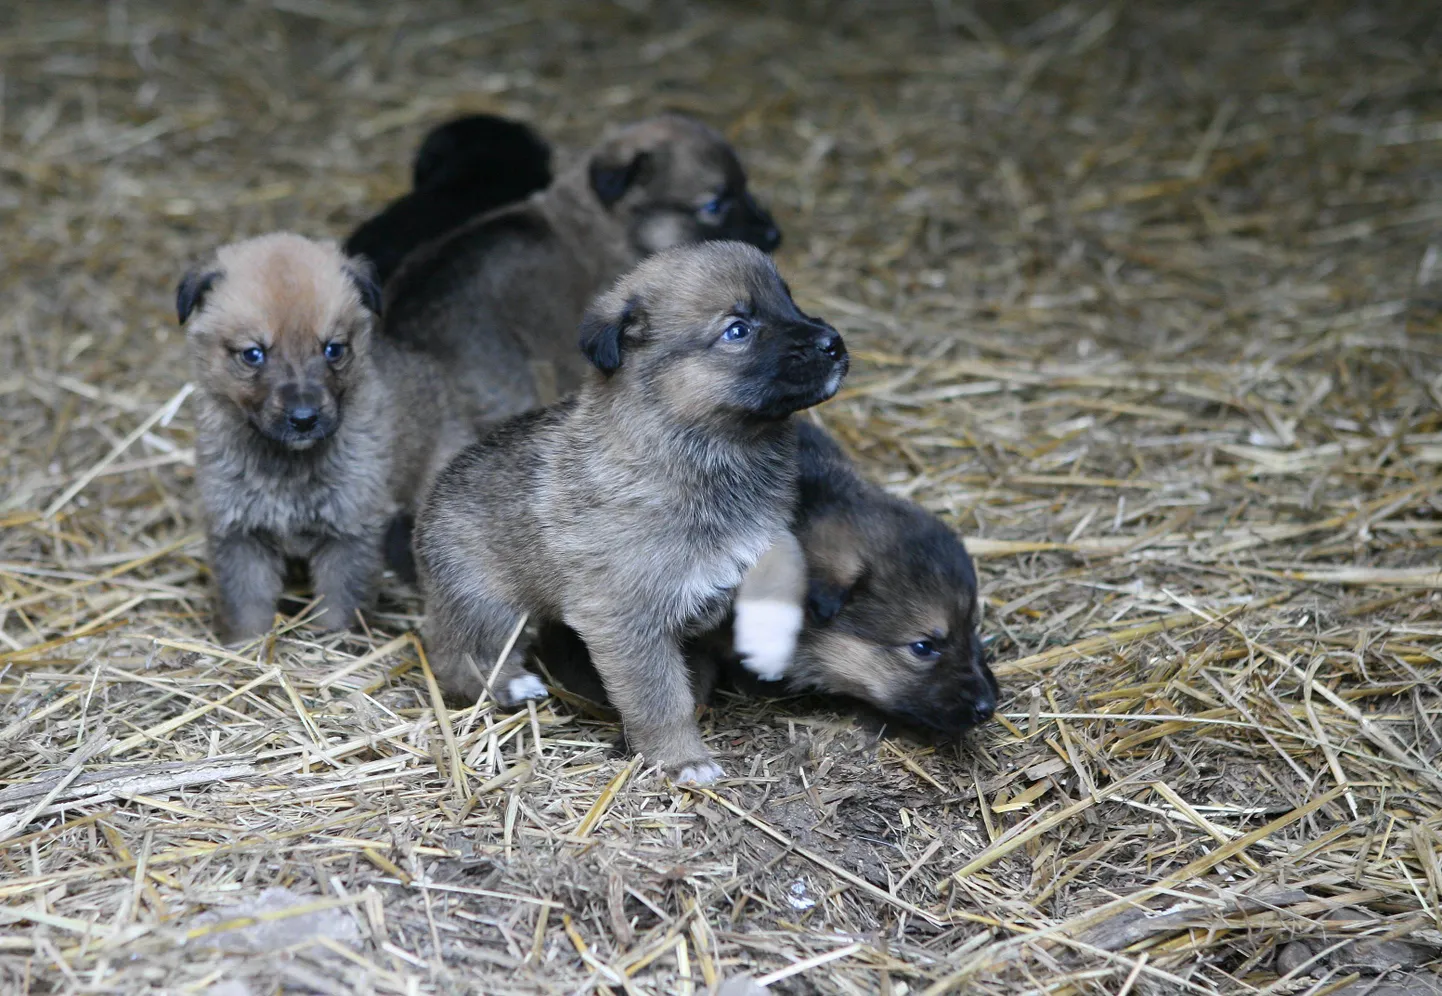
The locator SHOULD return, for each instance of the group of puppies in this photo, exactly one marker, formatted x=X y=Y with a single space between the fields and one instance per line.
x=648 y=504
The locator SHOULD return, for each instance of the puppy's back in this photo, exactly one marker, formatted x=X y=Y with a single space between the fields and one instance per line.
x=464 y=169
x=477 y=506
x=459 y=297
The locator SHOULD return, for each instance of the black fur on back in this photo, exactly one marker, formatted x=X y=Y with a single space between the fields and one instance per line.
x=464 y=168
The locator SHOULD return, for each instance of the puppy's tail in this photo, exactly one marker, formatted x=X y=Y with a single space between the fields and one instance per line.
x=770 y=609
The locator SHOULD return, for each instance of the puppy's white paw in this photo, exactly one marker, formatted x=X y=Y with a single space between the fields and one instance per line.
x=523 y=688
x=703 y=773
x=765 y=636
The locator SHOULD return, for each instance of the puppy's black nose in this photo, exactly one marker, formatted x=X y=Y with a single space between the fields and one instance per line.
x=984 y=707
x=302 y=419
x=769 y=239
x=830 y=343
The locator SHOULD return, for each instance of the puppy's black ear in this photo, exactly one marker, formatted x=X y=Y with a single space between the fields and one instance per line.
x=603 y=334
x=834 y=565
x=824 y=600
x=362 y=274
x=192 y=290
x=611 y=178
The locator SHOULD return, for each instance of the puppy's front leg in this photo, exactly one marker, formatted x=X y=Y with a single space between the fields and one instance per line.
x=343 y=571
x=249 y=576
x=647 y=681
x=769 y=609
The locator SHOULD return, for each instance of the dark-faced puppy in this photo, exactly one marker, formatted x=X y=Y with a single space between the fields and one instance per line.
x=311 y=434
x=630 y=511
x=503 y=293
x=891 y=609
x=464 y=168
x=672 y=180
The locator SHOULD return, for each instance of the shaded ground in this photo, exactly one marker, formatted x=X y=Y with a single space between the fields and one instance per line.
x=1137 y=298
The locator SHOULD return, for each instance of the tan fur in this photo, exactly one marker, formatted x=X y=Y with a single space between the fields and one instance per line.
x=629 y=512
x=499 y=298
x=383 y=425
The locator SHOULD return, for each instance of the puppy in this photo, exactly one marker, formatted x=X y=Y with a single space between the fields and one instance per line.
x=464 y=168
x=311 y=432
x=891 y=604
x=631 y=510
x=504 y=292
x=872 y=598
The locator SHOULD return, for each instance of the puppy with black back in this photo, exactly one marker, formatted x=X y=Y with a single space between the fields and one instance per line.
x=312 y=434
x=503 y=292
x=631 y=511
x=463 y=168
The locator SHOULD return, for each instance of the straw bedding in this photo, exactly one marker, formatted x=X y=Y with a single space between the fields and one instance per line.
x=1140 y=299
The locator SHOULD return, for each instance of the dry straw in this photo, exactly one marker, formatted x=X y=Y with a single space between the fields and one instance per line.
x=1140 y=299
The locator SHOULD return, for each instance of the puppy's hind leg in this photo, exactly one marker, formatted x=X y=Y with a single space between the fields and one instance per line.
x=249 y=576
x=647 y=681
x=465 y=632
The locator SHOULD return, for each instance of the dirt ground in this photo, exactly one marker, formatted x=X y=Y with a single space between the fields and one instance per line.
x=1140 y=299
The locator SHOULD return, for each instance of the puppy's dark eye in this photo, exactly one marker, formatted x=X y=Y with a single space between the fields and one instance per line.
x=736 y=331
x=715 y=207
x=253 y=356
x=335 y=351
x=925 y=650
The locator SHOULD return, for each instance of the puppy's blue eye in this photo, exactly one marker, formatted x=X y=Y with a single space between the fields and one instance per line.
x=252 y=357
x=924 y=649
x=715 y=206
x=736 y=331
x=334 y=351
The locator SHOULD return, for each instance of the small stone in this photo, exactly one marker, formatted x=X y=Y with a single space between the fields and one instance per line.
x=229 y=987
x=1376 y=956
x=741 y=985
x=1399 y=984
x=1293 y=955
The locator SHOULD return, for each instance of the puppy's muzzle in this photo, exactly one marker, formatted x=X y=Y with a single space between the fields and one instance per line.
x=303 y=420
x=817 y=365
x=298 y=417
x=765 y=235
x=749 y=222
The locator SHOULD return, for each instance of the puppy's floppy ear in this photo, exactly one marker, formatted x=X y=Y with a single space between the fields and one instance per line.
x=362 y=274
x=824 y=600
x=835 y=567
x=603 y=332
x=192 y=290
x=613 y=171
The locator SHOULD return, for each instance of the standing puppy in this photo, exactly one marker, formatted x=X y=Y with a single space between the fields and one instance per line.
x=311 y=433
x=463 y=168
x=504 y=292
x=630 y=511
